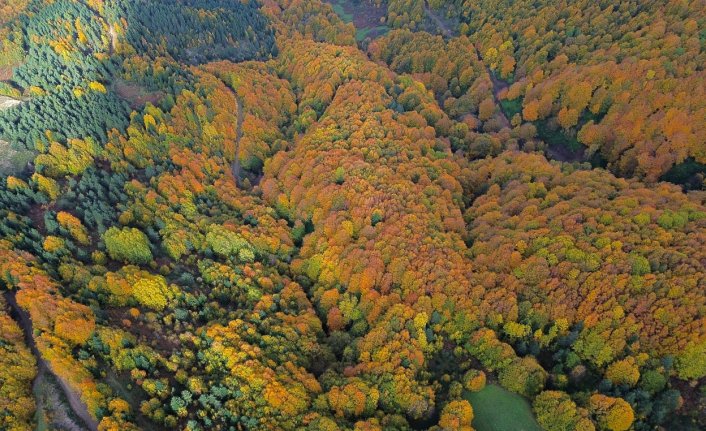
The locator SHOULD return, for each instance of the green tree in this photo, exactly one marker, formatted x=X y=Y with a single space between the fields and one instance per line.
x=555 y=411
x=691 y=363
x=128 y=245
x=524 y=376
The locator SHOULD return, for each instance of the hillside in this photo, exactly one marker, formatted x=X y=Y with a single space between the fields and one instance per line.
x=367 y=215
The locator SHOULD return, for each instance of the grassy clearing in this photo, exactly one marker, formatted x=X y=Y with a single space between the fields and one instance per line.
x=689 y=174
x=496 y=409
x=373 y=32
x=557 y=137
x=365 y=16
x=341 y=11
x=511 y=107
x=12 y=161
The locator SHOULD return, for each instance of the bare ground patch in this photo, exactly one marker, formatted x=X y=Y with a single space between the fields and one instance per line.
x=136 y=95
x=8 y=102
x=5 y=73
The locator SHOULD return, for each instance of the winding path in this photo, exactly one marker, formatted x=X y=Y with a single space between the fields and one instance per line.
x=235 y=166
x=498 y=84
x=79 y=409
x=113 y=39
x=445 y=30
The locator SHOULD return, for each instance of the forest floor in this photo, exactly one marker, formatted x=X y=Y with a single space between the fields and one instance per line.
x=132 y=394
x=78 y=408
x=11 y=160
x=5 y=73
x=498 y=87
x=563 y=153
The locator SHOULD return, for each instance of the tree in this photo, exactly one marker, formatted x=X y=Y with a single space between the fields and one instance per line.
x=691 y=362
x=613 y=414
x=474 y=380
x=623 y=372
x=486 y=109
x=128 y=245
x=355 y=399
x=456 y=415
x=17 y=370
x=555 y=411
x=524 y=376
x=74 y=226
x=228 y=243
x=152 y=292
x=568 y=117
x=530 y=111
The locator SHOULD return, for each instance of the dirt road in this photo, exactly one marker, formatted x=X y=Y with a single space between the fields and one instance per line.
x=498 y=87
x=77 y=406
x=445 y=30
x=235 y=166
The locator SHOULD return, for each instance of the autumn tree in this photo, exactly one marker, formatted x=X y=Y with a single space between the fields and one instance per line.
x=129 y=245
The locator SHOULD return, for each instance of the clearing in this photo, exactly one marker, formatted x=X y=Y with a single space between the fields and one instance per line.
x=5 y=73
x=12 y=161
x=368 y=19
x=8 y=102
x=496 y=409
x=136 y=95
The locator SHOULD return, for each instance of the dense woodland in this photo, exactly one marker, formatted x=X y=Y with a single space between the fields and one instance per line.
x=238 y=216
x=626 y=79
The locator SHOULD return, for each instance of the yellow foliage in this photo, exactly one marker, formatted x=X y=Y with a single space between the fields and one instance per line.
x=46 y=185
x=456 y=416
x=79 y=30
x=14 y=183
x=74 y=226
x=72 y=159
x=36 y=91
x=474 y=380
x=623 y=372
x=149 y=121
x=152 y=292
x=52 y=244
x=17 y=369
x=613 y=414
x=516 y=330
x=118 y=405
x=97 y=86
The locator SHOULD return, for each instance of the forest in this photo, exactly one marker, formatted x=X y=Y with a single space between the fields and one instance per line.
x=370 y=215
